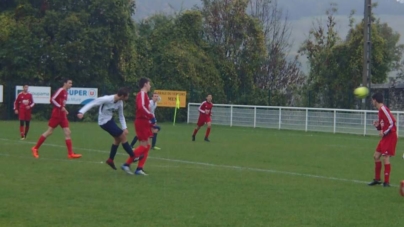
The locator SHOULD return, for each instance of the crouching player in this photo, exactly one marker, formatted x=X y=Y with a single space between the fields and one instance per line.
x=155 y=128
x=107 y=105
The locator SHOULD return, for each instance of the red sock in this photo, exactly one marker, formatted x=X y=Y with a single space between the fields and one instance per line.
x=195 y=131
x=40 y=142
x=143 y=160
x=69 y=146
x=378 y=169
x=22 y=131
x=138 y=151
x=387 y=169
x=207 y=132
x=26 y=130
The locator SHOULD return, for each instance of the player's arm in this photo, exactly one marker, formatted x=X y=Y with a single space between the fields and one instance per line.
x=376 y=123
x=390 y=119
x=55 y=97
x=96 y=102
x=122 y=116
x=141 y=105
x=202 y=108
x=31 y=101
x=16 y=103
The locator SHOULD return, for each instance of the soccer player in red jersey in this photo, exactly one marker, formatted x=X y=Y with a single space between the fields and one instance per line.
x=144 y=122
x=22 y=106
x=205 y=113
x=59 y=117
x=402 y=188
x=386 y=125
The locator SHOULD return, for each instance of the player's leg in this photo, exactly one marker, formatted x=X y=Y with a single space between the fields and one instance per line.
x=208 y=124
x=22 y=135
x=199 y=124
x=27 y=122
x=387 y=170
x=402 y=188
x=64 y=123
x=139 y=170
x=42 y=139
x=134 y=141
x=156 y=129
x=378 y=167
x=112 y=153
x=390 y=148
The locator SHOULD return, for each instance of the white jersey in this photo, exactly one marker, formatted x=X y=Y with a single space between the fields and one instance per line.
x=152 y=107
x=106 y=111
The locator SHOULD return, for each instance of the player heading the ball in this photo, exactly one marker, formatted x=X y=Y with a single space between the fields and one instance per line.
x=386 y=125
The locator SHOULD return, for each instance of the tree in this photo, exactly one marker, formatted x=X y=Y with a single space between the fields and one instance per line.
x=336 y=64
x=84 y=40
x=281 y=72
x=238 y=45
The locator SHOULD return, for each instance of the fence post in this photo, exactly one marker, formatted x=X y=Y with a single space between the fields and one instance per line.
x=189 y=109
x=307 y=120
x=280 y=118
x=255 y=116
x=335 y=121
x=231 y=115
x=364 y=123
x=398 y=124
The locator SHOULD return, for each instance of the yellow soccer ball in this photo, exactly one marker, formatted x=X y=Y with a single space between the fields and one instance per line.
x=361 y=92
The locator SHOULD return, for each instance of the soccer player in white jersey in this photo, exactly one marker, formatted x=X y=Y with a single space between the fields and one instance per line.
x=155 y=128
x=107 y=105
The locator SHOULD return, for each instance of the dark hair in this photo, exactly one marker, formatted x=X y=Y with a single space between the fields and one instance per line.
x=123 y=91
x=143 y=81
x=25 y=85
x=65 y=80
x=378 y=97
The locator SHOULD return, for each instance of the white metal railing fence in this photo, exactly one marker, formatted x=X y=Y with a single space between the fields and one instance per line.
x=295 y=118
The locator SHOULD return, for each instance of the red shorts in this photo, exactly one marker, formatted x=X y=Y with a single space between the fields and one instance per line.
x=202 y=120
x=24 y=115
x=55 y=121
x=143 y=129
x=387 y=145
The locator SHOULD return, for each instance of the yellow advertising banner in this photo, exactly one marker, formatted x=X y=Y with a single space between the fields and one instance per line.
x=168 y=98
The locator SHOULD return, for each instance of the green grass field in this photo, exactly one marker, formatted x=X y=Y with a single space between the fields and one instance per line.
x=244 y=177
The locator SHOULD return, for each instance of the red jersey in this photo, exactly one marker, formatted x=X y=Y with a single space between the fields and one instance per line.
x=205 y=108
x=142 y=106
x=58 y=101
x=387 y=122
x=23 y=100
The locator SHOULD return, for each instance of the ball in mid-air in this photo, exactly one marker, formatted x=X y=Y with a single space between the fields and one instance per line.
x=361 y=92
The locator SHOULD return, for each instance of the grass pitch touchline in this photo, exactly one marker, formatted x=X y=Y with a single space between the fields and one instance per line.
x=211 y=164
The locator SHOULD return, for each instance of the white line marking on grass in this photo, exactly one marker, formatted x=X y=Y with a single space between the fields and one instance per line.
x=69 y=160
x=217 y=165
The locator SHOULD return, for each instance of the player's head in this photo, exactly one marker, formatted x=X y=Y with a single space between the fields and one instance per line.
x=123 y=93
x=67 y=83
x=25 y=88
x=377 y=98
x=209 y=98
x=144 y=83
x=155 y=97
